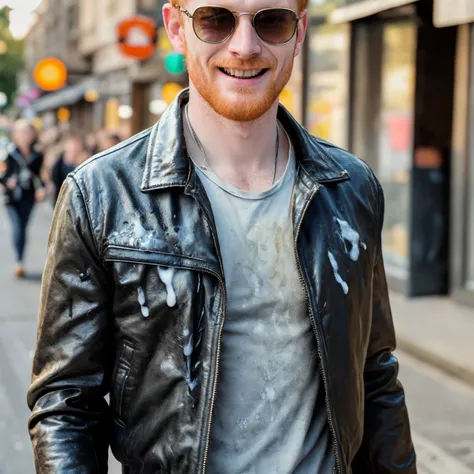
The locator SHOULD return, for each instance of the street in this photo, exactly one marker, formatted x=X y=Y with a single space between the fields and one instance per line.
x=441 y=408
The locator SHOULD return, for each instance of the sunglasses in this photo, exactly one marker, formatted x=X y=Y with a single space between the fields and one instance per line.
x=215 y=25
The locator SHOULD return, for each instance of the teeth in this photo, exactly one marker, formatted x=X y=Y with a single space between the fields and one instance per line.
x=243 y=72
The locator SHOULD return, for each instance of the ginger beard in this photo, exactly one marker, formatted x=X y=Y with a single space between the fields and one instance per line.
x=247 y=103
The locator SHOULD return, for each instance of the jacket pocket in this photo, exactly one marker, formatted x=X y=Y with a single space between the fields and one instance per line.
x=120 y=379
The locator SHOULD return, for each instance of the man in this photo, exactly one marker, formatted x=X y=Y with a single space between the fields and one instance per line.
x=221 y=275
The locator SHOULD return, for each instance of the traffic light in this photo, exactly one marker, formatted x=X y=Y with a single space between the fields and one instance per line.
x=175 y=63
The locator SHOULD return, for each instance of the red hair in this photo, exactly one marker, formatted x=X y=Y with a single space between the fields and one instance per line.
x=303 y=4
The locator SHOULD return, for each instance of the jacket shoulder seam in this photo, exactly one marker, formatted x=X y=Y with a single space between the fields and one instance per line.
x=88 y=216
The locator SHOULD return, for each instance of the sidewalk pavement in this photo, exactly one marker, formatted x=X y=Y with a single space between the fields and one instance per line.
x=437 y=331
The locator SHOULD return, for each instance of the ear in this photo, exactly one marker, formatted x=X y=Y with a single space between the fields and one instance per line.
x=301 y=32
x=174 y=28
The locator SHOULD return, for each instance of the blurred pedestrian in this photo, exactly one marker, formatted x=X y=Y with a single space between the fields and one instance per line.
x=110 y=140
x=102 y=140
x=51 y=145
x=107 y=139
x=90 y=144
x=72 y=156
x=20 y=179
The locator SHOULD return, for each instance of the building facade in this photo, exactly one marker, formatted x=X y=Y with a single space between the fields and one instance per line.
x=460 y=15
x=56 y=34
x=378 y=79
x=35 y=41
x=105 y=89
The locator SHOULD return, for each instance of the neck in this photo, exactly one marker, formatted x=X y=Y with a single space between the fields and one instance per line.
x=241 y=153
x=24 y=150
x=69 y=159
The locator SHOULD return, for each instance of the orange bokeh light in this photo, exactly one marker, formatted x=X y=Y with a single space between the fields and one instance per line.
x=50 y=74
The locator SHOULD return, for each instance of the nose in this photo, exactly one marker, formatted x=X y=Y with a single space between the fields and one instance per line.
x=245 y=42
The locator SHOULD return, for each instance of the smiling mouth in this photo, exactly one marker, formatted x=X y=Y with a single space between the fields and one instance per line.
x=243 y=73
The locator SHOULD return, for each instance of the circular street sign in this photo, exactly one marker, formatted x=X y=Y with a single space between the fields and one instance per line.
x=50 y=74
x=137 y=37
x=3 y=99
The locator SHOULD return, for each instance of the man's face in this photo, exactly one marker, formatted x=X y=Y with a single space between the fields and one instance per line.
x=23 y=134
x=237 y=98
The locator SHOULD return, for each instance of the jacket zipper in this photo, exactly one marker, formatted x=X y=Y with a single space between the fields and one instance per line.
x=218 y=353
x=318 y=340
x=224 y=299
x=214 y=387
x=219 y=337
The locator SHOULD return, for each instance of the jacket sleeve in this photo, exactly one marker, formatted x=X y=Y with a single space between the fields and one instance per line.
x=71 y=368
x=36 y=170
x=387 y=446
x=5 y=170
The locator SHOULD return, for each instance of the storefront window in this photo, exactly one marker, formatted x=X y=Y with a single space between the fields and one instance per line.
x=328 y=83
x=396 y=137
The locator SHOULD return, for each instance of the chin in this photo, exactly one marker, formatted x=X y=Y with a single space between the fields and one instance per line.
x=242 y=110
x=239 y=104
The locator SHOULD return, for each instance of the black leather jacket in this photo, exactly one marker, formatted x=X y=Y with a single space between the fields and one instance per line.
x=105 y=325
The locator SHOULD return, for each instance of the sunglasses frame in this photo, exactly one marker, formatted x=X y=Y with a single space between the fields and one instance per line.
x=237 y=16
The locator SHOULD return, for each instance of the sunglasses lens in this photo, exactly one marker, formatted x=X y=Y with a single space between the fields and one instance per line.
x=213 y=24
x=275 y=25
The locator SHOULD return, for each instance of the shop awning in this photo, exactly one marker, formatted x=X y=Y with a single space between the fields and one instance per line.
x=449 y=13
x=66 y=96
x=364 y=9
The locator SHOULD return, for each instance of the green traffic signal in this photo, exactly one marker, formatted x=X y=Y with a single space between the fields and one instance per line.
x=175 y=63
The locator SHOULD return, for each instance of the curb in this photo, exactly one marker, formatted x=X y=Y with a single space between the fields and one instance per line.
x=429 y=357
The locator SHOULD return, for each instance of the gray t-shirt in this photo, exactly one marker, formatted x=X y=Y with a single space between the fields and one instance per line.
x=270 y=415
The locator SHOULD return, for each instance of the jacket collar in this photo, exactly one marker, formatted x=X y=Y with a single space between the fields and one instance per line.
x=168 y=165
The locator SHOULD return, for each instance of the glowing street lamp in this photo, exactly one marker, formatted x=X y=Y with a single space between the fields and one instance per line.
x=50 y=74
x=91 y=95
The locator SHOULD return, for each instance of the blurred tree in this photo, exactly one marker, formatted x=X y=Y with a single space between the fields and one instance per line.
x=11 y=57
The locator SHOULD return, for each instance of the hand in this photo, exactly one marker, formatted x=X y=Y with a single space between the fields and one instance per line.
x=40 y=194
x=11 y=183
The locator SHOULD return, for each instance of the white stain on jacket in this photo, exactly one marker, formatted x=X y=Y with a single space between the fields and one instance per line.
x=166 y=276
x=133 y=234
x=188 y=351
x=142 y=302
x=349 y=234
x=335 y=268
x=139 y=234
